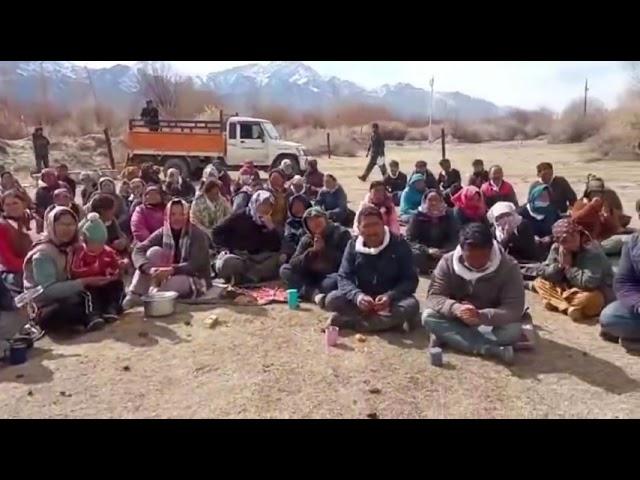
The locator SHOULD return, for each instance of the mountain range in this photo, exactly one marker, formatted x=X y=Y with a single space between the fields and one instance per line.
x=292 y=85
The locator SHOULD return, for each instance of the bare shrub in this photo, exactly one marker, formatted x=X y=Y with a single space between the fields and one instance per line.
x=620 y=134
x=393 y=130
x=573 y=126
x=344 y=143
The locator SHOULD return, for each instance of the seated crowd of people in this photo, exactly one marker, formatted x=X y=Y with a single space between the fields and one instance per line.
x=479 y=246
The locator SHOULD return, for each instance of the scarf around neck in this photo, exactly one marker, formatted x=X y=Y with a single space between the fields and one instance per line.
x=471 y=275
x=360 y=247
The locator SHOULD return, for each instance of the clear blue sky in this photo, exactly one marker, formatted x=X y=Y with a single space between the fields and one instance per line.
x=521 y=84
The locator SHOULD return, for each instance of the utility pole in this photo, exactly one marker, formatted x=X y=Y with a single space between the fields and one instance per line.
x=586 y=90
x=431 y=109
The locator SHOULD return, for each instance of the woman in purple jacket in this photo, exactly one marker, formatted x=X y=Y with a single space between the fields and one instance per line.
x=620 y=320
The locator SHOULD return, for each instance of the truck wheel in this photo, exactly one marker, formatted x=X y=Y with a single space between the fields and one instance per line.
x=179 y=164
x=292 y=158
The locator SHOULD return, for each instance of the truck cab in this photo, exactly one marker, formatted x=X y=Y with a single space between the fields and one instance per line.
x=190 y=145
x=258 y=140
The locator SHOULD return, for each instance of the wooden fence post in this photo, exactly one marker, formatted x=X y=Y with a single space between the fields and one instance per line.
x=442 y=140
x=329 y=144
x=112 y=160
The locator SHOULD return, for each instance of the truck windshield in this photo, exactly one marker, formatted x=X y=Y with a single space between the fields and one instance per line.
x=271 y=131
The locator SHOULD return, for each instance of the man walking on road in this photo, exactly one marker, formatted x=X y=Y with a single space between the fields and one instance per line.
x=376 y=149
x=40 y=149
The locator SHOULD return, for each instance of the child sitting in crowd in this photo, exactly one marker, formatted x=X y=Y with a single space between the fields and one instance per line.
x=94 y=259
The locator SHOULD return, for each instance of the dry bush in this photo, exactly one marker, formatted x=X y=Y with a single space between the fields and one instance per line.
x=344 y=141
x=574 y=127
x=394 y=131
x=12 y=126
x=356 y=114
x=620 y=134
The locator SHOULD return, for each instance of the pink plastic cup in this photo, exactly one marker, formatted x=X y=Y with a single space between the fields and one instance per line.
x=331 y=335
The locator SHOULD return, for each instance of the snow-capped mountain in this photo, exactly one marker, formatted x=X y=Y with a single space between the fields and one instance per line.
x=293 y=85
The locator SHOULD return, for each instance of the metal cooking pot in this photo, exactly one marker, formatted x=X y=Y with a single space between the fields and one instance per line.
x=159 y=304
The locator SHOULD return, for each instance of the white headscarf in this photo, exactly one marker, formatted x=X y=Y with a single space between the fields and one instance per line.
x=257 y=199
x=507 y=224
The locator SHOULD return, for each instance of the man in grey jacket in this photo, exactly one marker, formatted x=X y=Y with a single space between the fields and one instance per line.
x=476 y=285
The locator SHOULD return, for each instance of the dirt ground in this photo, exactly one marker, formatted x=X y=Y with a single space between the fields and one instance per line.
x=271 y=362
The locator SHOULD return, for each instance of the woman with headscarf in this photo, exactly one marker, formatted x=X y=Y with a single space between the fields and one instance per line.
x=178 y=187
x=150 y=174
x=137 y=187
x=411 y=197
x=432 y=232
x=513 y=233
x=576 y=278
x=62 y=198
x=469 y=206
x=313 y=178
x=244 y=189
x=281 y=196
x=48 y=265
x=17 y=233
x=298 y=187
x=9 y=183
x=219 y=173
x=250 y=242
x=380 y=198
x=541 y=214
x=294 y=228
x=333 y=200
x=599 y=212
x=174 y=258
x=286 y=167
x=209 y=207
x=49 y=183
x=107 y=186
x=149 y=216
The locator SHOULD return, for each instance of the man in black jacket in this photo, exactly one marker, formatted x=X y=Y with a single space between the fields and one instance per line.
x=151 y=116
x=313 y=268
x=395 y=181
x=376 y=281
x=40 y=149
x=376 y=149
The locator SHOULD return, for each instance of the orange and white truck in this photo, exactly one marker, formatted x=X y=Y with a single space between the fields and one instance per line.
x=190 y=145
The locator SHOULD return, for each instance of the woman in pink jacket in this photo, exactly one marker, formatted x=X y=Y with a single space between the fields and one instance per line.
x=149 y=216
x=379 y=197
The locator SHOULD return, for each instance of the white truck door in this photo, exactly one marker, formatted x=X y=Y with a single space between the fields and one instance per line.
x=234 y=156
x=252 y=144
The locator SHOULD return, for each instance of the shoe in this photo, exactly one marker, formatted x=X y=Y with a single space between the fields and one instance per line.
x=319 y=299
x=95 y=324
x=33 y=331
x=362 y=178
x=111 y=315
x=504 y=354
x=631 y=345
x=575 y=314
x=341 y=321
x=132 y=300
x=607 y=337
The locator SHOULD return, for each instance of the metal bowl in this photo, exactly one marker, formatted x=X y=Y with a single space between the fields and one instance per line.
x=159 y=304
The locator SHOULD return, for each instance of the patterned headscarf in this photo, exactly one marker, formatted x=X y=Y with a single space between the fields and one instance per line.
x=167 y=237
x=49 y=225
x=564 y=227
x=105 y=180
x=257 y=199
x=532 y=204
x=469 y=199
x=433 y=212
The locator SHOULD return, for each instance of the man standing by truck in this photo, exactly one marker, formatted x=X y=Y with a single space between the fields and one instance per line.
x=151 y=116
x=376 y=149
x=40 y=149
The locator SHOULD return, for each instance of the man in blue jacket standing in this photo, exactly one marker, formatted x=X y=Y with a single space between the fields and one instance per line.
x=376 y=281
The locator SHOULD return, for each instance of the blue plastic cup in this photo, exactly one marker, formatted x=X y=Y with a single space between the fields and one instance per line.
x=18 y=353
x=292 y=299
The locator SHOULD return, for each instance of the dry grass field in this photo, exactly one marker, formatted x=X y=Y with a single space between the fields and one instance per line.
x=271 y=362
